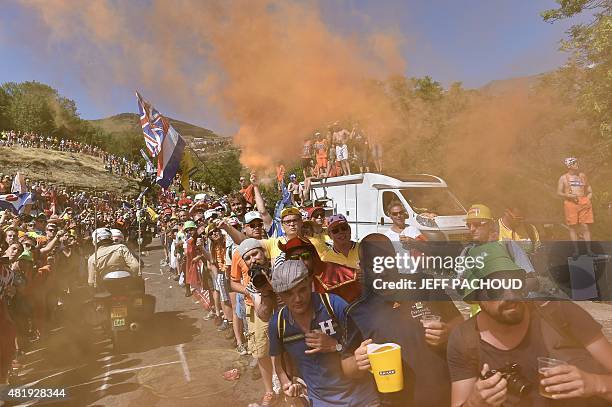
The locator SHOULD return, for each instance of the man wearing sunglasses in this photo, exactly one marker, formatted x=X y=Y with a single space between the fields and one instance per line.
x=328 y=277
x=344 y=251
x=483 y=230
x=509 y=330
x=239 y=272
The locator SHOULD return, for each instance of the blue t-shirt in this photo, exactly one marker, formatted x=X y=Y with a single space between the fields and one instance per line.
x=322 y=372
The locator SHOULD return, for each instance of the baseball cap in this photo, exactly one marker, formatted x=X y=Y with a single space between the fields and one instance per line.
x=290 y=211
x=312 y=210
x=479 y=212
x=251 y=216
x=287 y=275
x=294 y=243
x=189 y=225
x=210 y=213
x=338 y=218
x=247 y=245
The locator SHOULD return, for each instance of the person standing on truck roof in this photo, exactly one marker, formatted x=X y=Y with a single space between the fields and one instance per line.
x=320 y=147
x=342 y=155
x=307 y=155
x=577 y=193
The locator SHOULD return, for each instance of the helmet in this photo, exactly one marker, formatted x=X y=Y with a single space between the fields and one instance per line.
x=101 y=234
x=117 y=235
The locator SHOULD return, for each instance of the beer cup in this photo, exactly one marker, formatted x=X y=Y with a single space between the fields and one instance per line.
x=544 y=364
x=386 y=362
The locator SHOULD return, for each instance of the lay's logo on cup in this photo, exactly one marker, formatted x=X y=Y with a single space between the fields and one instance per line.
x=386 y=372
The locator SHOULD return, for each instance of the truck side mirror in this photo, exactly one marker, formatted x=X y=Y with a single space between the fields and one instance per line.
x=382 y=220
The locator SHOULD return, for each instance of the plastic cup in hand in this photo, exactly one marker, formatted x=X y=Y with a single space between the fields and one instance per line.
x=386 y=362
x=545 y=364
x=426 y=319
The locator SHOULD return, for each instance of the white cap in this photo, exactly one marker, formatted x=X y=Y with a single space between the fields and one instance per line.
x=251 y=216
x=116 y=233
x=209 y=213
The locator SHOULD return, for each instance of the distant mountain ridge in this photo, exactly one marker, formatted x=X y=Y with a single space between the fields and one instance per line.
x=500 y=86
x=129 y=123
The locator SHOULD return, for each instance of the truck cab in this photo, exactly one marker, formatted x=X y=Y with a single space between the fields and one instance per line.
x=363 y=199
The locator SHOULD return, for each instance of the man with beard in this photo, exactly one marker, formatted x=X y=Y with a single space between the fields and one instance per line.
x=509 y=331
x=259 y=313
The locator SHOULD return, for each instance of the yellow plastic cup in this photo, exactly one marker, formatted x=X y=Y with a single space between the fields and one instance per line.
x=386 y=362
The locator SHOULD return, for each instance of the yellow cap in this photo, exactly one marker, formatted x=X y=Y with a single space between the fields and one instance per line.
x=479 y=212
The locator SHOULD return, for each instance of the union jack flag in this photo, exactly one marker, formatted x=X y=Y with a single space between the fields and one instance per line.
x=154 y=126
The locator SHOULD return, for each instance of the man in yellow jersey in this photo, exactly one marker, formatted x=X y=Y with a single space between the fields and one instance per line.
x=344 y=251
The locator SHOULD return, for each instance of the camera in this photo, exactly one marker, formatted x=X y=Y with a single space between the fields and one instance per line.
x=517 y=384
x=259 y=276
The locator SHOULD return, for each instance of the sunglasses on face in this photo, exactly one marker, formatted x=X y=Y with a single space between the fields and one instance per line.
x=255 y=225
x=26 y=244
x=344 y=227
x=400 y=213
x=301 y=256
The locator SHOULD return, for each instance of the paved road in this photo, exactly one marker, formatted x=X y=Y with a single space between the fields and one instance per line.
x=178 y=360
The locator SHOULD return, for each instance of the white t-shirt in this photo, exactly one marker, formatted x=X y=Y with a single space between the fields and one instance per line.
x=411 y=232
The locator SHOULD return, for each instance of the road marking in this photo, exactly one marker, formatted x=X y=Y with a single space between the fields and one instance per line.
x=35 y=382
x=117 y=371
x=146 y=272
x=179 y=349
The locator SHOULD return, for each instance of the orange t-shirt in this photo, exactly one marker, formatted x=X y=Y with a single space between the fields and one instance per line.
x=239 y=273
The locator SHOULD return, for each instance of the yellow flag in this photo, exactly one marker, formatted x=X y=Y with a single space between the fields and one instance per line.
x=152 y=213
x=187 y=169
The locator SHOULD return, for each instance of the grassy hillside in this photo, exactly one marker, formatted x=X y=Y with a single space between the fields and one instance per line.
x=129 y=122
x=70 y=169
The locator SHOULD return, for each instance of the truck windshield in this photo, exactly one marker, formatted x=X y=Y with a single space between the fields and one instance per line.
x=438 y=201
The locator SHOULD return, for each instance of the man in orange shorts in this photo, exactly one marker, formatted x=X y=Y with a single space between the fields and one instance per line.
x=321 y=147
x=576 y=191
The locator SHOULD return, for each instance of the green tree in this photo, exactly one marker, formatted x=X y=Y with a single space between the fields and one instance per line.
x=588 y=74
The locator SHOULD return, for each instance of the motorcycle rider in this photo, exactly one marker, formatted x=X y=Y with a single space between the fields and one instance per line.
x=117 y=236
x=109 y=256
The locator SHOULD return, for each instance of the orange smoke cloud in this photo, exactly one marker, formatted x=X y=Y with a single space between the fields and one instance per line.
x=273 y=67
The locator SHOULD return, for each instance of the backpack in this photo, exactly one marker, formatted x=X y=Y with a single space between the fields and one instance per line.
x=558 y=339
x=280 y=323
x=290 y=368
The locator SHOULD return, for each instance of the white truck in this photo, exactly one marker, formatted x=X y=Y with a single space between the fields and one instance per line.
x=363 y=199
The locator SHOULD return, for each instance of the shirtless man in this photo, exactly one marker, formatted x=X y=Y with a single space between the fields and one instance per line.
x=574 y=187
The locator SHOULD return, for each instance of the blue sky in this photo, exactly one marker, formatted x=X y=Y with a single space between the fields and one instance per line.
x=472 y=41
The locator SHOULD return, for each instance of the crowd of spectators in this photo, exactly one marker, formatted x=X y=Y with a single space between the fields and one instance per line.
x=295 y=299
x=112 y=163
x=44 y=248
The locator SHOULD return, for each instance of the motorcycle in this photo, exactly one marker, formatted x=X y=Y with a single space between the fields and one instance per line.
x=122 y=306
